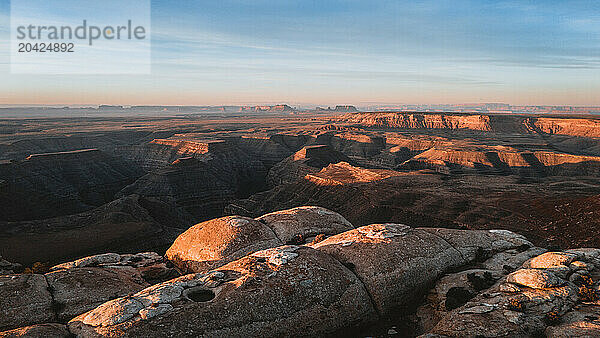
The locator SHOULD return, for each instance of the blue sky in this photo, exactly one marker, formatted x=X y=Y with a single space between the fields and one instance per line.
x=338 y=52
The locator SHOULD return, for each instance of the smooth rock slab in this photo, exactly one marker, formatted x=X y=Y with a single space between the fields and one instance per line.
x=250 y=297
x=24 y=300
x=306 y=222
x=214 y=243
x=79 y=290
x=583 y=322
x=396 y=263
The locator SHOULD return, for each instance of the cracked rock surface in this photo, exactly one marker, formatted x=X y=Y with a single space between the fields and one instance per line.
x=24 y=300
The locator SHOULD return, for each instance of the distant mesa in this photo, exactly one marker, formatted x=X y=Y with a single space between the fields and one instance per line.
x=341 y=109
x=268 y=109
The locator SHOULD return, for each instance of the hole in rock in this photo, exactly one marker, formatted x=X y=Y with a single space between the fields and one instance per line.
x=457 y=297
x=199 y=294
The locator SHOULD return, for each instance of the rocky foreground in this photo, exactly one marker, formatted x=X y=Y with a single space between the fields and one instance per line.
x=309 y=272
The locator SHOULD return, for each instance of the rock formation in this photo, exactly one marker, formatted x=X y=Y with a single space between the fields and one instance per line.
x=285 y=291
x=301 y=225
x=487 y=123
x=214 y=243
x=434 y=282
x=308 y=160
x=70 y=289
x=7 y=267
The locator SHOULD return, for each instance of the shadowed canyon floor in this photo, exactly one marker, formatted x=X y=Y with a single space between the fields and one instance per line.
x=306 y=211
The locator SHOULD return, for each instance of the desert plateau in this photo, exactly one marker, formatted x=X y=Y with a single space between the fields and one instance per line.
x=301 y=224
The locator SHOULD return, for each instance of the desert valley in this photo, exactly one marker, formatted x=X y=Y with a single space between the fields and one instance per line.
x=278 y=222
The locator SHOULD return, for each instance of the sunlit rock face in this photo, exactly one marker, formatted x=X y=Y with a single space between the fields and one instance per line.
x=381 y=254
x=488 y=123
x=216 y=242
x=309 y=159
x=213 y=243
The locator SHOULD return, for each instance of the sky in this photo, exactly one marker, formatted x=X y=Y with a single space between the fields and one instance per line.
x=326 y=52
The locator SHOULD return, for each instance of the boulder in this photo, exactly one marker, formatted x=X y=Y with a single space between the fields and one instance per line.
x=38 y=331
x=24 y=300
x=501 y=312
x=217 y=242
x=295 y=225
x=510 y=260
x=452 y=291
x=457 y=288
x=481 y=244
x=285 y=291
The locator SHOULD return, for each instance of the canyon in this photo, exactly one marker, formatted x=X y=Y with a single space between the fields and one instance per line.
x=455 y=215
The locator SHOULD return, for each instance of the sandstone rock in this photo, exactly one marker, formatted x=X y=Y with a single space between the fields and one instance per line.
x=411 y=259
x=78 y=290
x=536 y=279
x=152 y=267
x=453 y=291
x=310 y=294
x=24 y=300
x=584 y=321
x=498 y=314
x=38 y=331
x=108 y=258
x=524 y=303
x=551 y=260
x=217 y=242
x=305 y=222
x=479 y=244
x=392 y=254
x=510 y=260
